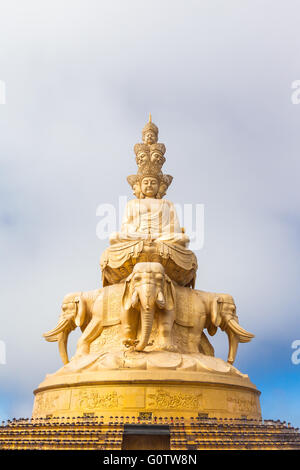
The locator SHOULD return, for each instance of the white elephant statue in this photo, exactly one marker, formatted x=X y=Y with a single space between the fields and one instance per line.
x=85 y=310
x=148 y=291
x=209 y=310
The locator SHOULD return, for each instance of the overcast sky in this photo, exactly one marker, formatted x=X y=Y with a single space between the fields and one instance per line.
x=81 y=78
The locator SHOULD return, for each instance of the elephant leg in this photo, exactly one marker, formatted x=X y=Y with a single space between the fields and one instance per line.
x=92 y=331
x=129 y=321
x=165 y=324
x=195 y=334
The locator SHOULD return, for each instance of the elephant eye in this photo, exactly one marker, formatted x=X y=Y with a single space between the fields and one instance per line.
x=137 y=277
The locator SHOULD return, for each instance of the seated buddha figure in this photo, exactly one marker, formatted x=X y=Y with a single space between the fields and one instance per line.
x=150 y=218
x=150 y=228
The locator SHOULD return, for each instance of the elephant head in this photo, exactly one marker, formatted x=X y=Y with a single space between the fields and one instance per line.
x=223 y=315
x=146 y=289
x=73 y=313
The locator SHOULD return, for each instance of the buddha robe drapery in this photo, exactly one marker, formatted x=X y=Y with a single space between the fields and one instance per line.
x=150 y=231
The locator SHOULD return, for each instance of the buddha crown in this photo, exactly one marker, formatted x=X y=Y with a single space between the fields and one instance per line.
x=150 y=159
x=150 y=126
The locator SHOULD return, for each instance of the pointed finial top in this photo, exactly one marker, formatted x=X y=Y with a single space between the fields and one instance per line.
x=150 y=132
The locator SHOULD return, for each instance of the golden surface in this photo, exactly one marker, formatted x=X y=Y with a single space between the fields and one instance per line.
x=160 y=392
x=144 y=346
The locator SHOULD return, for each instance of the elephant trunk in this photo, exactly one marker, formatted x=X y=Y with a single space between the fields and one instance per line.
x=146 y=328
x=233 y=346
x=62 y=345
x=147 y=295
x=236 y=334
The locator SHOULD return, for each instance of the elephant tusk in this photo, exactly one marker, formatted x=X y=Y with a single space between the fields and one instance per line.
x=160 y=300
x=244 y=336
x=51 y=335
x=135 y=299
x=80 y=311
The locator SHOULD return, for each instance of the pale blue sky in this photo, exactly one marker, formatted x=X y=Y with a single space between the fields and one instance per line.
x=81 y=78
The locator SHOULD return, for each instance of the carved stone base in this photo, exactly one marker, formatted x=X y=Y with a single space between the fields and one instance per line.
x=164 y=393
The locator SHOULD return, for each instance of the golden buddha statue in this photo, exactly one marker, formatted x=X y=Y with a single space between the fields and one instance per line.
x=144 y=346
x=150 y=228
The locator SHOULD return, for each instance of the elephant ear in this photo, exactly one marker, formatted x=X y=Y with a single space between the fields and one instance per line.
x=170 y=294
x=80 y=310
x=215 y=313
x=127 y=293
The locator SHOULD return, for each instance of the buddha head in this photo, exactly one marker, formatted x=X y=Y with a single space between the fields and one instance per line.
x=142 y=154
x=150 y=132
x=137 y=189
x=152 y=186
x=149 y=137
x=162 y=190
x=150 y=182
x=165 y=182
x=157 y=152
x=149 y=187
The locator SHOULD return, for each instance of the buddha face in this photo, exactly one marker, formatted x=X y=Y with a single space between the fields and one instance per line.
x=136 y=190
x=142 y=158
x=149 y=187
x=149 y=137
x=157 y=158
x=162 y=190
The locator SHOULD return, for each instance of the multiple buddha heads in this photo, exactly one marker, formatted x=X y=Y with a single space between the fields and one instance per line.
x=149 y=182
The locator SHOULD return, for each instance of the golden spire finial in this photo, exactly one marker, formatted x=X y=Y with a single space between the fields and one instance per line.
x=150 y=128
